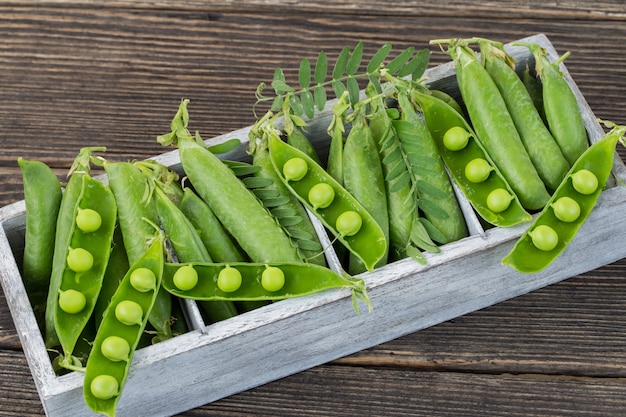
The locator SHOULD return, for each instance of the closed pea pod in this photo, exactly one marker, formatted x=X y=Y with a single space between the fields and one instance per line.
x=42 y=198
x=441 y=119
x=363 y=178
x=120 y=332
x=245 y=281
x=238 y=210
x=560 y=105
x=542 y=148
x=495 y=128
x=369 y=242
x=133 y=195
x=533 y=252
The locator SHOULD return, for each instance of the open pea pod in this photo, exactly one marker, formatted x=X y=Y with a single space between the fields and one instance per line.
x=87 y=256
x=121 y=328
x=569 y=207
x=440 y=118
x=368 y=243
x=243 y=281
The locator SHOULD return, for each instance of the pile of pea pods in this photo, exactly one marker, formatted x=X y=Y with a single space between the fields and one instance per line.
x=235 y=236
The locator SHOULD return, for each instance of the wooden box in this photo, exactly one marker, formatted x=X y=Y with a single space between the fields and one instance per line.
x=212 y=362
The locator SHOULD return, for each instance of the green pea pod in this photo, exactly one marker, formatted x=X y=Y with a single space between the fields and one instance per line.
x=369 y=242
x=526 y=256
x=336 y=130
x=62 y=239
x=363 y=178
x=120 y=332
x=299 y=140
x=298 y=279
x=404 y=218
x=560 y=105
x=82 y=262
x=137 y=216
x=188 y=247
x=436 y=197
x=535 y=90
x=42 y=197
x=241 y=213
x=543 y=150
x=440 y=118
x=283 y=205
x=495 y=129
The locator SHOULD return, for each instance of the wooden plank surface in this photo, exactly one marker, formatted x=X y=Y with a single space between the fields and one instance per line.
x=79 y=73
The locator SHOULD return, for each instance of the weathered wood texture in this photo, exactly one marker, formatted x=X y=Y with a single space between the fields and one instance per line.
x=77 y=73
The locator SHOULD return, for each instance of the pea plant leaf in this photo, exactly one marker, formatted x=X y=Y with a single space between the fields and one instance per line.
x=378 y=58
x=341 y=63
x=355 y=59
x=304 y=75
x=321 y=68
x=310 y=94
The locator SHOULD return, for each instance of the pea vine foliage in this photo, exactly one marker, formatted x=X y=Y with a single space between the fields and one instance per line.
x=297 y=102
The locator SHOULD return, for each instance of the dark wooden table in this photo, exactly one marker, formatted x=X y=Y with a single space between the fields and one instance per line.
x=77 y=73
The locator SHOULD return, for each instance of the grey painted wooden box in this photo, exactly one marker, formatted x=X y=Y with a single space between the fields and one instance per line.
x=212 y=362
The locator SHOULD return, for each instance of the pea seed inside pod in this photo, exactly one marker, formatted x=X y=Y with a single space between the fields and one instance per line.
x=72 y=301
x=229 y=279
x=321 y=195
x=88 y=220
x=143 y=280
x=544 y=237
x=456 y=138
x=129 y=312
x=584 y=181
x=477 y=170
x=295 y=169
x=272 y=279
x=185 y=278
x=104 y=387
x=79 y=260
x=499 y=200
x=566 y=209
x=115 y=348
x=349 y=223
